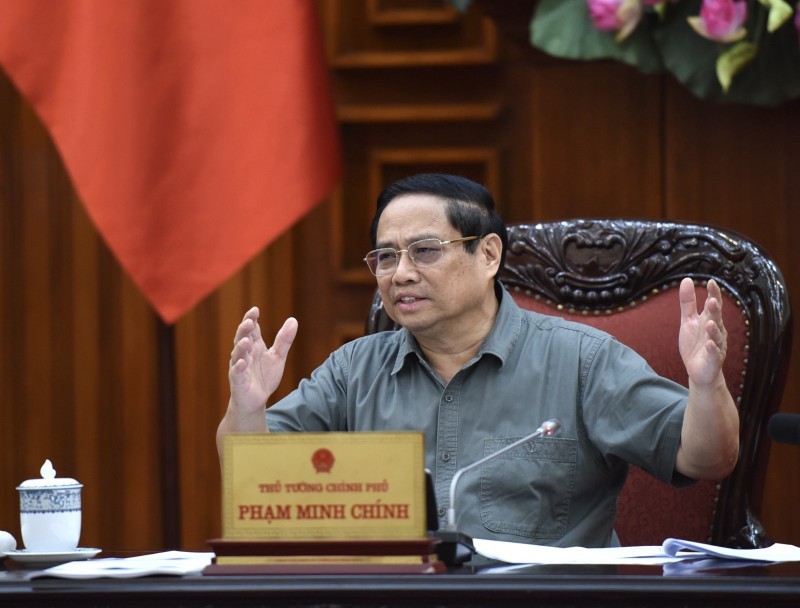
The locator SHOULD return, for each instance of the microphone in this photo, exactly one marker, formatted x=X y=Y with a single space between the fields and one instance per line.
x=785 y=428
x=456 y=547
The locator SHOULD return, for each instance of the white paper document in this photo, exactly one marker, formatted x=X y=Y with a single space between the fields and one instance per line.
x=521 y=553
x=672 y=550
x=168 y=562
x=690 y=549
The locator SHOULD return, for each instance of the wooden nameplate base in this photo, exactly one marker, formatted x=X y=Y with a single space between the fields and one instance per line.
x=414 y=556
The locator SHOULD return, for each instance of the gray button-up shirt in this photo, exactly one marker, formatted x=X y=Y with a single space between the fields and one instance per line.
x=559 y=490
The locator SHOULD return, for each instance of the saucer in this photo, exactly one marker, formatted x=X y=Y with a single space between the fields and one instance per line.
x=51 y=558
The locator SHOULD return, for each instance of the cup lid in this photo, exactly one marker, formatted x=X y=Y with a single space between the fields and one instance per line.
x=49 y=480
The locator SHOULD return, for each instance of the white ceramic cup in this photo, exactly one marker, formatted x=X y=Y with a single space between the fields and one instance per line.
x=50 y=512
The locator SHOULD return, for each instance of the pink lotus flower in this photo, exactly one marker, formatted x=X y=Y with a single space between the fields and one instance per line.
x=721 y=20
x=621 y=16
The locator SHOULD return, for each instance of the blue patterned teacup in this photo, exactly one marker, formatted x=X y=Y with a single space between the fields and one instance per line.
x=50 y=512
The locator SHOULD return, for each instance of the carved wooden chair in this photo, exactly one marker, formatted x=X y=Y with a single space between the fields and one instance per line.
x=622 y=276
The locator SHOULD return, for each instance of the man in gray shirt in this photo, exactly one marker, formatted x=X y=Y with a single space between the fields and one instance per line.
x=475 y=372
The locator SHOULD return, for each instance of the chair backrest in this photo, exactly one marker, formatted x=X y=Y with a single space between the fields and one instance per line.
x=622 y=276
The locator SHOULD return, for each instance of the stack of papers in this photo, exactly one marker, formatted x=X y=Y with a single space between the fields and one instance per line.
x=671 y=550
x=169 y=562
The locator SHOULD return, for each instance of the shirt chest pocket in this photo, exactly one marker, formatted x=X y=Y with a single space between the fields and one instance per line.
x=527 y=492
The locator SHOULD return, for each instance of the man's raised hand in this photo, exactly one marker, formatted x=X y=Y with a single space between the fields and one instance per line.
x=255 y=369
x=703 y=340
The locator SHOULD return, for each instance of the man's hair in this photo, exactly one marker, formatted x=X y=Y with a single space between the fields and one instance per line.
x=469 y=206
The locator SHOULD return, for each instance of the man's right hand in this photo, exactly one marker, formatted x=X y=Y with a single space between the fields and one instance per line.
x=254 y=373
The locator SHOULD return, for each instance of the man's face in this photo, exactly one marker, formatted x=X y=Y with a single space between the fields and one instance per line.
x=445 y=297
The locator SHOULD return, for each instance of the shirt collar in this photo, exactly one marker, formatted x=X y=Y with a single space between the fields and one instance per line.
x=499 y=342
x=506 y=330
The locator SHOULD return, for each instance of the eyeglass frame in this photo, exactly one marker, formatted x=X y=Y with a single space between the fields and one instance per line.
x=400 y=252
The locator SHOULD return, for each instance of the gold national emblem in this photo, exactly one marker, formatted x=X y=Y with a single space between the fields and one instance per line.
x=323 y=460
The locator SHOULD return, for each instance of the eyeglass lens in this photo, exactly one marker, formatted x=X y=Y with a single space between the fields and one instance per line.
x=422 y=253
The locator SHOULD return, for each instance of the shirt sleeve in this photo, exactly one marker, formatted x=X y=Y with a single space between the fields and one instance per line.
x=317 y=404
x=632 y=413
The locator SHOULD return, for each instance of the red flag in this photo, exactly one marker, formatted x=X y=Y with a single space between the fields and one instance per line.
x=195 y=131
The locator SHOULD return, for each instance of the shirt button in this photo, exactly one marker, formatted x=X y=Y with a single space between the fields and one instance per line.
x=446 y=457
x=442 y=511
x=448 y=398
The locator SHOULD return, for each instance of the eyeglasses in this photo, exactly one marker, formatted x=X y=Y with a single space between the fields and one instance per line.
x=423 y=253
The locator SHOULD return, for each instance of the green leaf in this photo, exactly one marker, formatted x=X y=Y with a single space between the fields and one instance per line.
x=732 y=61
x=779 y=12
x=563 y=28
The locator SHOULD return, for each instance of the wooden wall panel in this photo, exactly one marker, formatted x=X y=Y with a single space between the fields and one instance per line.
x=377 y=34
x=732 y=165
x=596 y=148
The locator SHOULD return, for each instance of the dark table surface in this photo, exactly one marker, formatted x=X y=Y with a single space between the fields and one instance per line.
x=723 y=584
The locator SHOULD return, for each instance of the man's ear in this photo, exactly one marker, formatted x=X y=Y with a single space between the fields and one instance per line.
x=492 y=248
